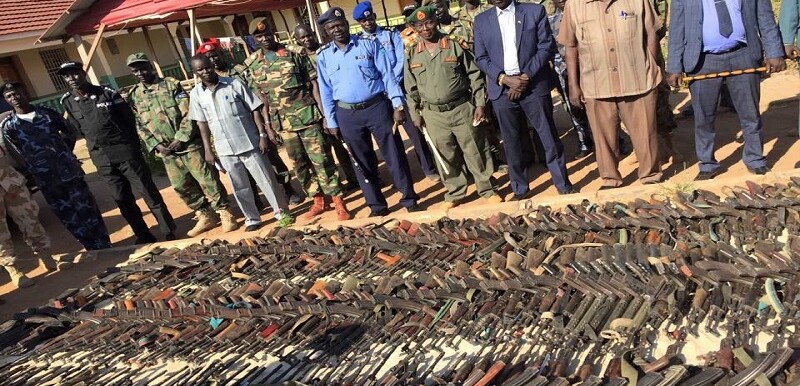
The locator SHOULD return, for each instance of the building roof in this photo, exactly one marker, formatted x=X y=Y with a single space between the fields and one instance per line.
x=26 y=16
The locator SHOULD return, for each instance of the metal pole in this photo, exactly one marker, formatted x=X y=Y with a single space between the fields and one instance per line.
x=191 y=30
x=385 y=15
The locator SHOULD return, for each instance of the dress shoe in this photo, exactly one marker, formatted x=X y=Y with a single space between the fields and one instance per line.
x=414 y=208
x=570 y=190
x=706 y=175
x=761 y=170
x=253 y=227
x=380 y=213
x=523 y=196
x=147 y=239
x=582 y=153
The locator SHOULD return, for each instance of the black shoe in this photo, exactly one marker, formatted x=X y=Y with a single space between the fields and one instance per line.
x=705 y=176
x=582 y=153
x=380 y=213
x=148 y=239
x=521 y=197
x=296 y=199
x=570 y=190
x=414 y=208
x=761 y=170
x=253 y=227
x=350 y=187
x=170 y=237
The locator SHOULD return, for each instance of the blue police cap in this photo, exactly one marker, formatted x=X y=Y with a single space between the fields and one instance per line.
x=332 y=14
x=362 y=10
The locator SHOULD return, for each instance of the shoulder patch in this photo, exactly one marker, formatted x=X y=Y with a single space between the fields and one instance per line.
x=323 y=48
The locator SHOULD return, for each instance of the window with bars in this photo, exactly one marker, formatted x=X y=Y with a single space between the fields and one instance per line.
x=52 y=60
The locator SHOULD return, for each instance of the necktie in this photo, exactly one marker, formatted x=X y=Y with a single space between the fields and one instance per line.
x=724 y=18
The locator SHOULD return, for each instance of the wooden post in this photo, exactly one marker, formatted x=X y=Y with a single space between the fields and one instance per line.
x=150 y=47
x=178 y=51
x=312 y=21
x=191 y=30
x=98 y=37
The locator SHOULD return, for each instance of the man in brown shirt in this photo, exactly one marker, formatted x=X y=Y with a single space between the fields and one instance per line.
x=611 y=46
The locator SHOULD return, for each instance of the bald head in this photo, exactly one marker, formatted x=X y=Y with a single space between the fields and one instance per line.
x=305 y=36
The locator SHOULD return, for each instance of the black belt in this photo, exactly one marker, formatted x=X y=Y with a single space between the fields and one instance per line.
x=363 y=105
x=732 y=49
x=442 y=107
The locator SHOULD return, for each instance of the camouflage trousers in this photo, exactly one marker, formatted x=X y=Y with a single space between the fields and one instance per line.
x=196 y=182
x=665 y=120
x=313 y=162
x=77 y=209
x=17 y=204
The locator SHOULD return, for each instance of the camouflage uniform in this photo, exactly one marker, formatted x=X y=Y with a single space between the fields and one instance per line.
x=665 y=120
x=44 y=147
x=162 y=111
x=16 y=203
x=285 y=79
x=331 y=142
x=466 y=19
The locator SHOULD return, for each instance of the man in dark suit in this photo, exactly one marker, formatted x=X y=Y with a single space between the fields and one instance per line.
x=520 y=79
x=711 y=36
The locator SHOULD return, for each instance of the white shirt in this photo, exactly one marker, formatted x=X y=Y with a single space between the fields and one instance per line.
x=508 y=29
x=27 y=117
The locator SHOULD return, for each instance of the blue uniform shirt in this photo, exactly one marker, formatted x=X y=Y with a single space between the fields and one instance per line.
x=713 y=42
x=392 y=43
x=354 y=75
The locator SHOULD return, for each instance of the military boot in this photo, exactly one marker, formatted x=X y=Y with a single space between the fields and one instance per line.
x=317 y=207
x=50 y=264
x=228 y=221
x=17 y=277
x=341 y=209
x=206 y=221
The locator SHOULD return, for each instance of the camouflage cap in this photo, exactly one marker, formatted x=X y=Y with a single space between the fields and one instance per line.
x=138 y=57
x=258 y=26
x=422 y=13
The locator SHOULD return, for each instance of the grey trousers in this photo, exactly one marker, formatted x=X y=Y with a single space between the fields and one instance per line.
x=237 y=167
x=745 y=92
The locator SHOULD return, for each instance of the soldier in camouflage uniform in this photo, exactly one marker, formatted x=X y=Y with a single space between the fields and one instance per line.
x=286 y=82
x=238 y=71
x=42 y=141
x=162 y=109
x=665 y=120
x=16 y=203
x=308 y=45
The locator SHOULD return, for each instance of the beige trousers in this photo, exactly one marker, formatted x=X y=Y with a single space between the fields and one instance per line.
x=638 y=113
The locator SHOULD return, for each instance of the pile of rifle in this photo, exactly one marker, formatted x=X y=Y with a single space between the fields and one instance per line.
x=585 y=295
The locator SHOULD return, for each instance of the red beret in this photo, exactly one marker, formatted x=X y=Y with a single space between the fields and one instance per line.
x=207 y=46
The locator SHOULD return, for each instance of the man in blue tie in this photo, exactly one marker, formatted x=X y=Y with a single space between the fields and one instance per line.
x=392 y=43
x=360 y=97
x=712 y=36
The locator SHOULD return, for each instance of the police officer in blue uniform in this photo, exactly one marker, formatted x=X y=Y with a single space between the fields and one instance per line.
x=43 y=141
x=109 y=125
x=355 y=78
x=392 y=43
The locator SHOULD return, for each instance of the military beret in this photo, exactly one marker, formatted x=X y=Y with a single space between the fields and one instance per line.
x=408 y=10
x=10 y=86
x=258 y=26
x=71 y=65
x=362 y=10
x=138 y=57
x=332 y=14
x=422 y=13
x=207 y=47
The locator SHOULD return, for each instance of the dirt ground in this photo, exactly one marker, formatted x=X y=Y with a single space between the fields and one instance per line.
x=779 y=106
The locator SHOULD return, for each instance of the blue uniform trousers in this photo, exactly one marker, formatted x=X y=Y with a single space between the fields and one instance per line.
x=355 y=127
x=745 y=91
x=77 y=209
x=511 y=117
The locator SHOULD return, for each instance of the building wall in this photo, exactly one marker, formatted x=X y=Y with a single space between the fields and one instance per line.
x=393 y=7
x=31 y=67
x=135 y=42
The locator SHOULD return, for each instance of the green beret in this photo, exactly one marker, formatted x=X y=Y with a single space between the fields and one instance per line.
x=422 y=13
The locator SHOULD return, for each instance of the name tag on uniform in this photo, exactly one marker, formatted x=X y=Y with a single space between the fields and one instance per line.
x=361 y=57
x=416 y=65
x=450 y=59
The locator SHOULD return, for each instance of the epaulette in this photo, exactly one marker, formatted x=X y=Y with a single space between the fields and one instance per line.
x=323 y=48
x=296 y=49
x=366 y=37
x=109 y=89
x=461 y=41
x=63 y=97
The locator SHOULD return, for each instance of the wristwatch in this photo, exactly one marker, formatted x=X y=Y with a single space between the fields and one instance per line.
x=263 y=135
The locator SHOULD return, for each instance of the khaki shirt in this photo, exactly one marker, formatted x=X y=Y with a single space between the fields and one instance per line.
x=444 y=76
x=612 y=46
